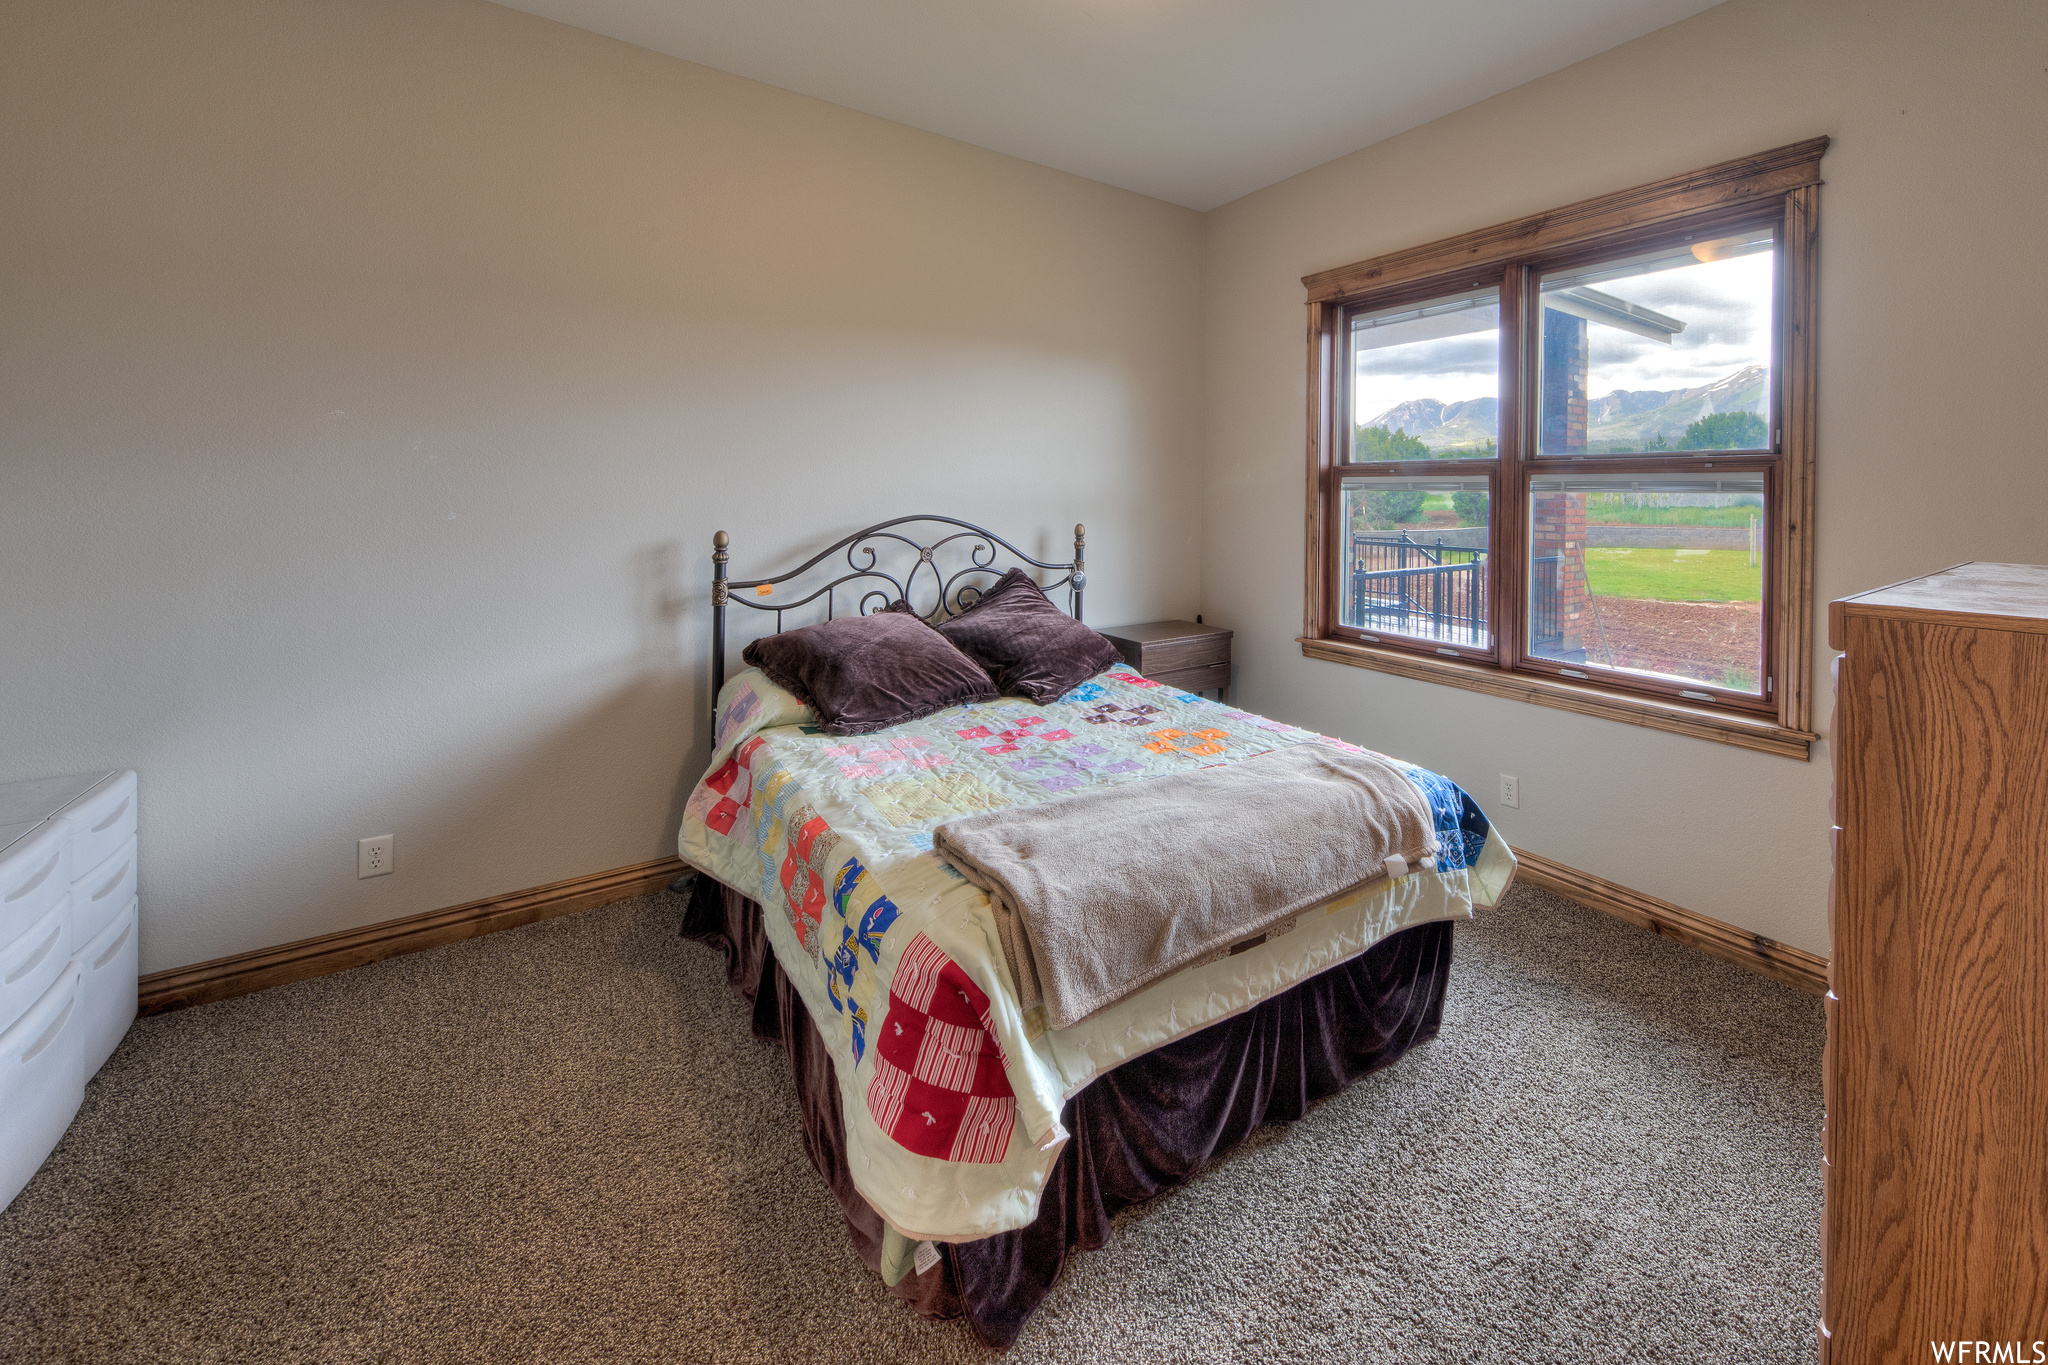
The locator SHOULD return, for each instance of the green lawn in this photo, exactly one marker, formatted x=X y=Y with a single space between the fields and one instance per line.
x=1619 y=509
x=1675 y=575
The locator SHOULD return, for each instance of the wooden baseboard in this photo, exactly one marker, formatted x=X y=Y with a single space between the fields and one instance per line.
x=245 y=972
x=1766 y=957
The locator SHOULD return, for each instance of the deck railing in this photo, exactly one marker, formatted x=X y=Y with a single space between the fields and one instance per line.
x=1404 y=586
x=1546 y=632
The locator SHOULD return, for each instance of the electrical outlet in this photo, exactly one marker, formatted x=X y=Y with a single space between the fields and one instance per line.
x=373 y=856
x=1511 y=792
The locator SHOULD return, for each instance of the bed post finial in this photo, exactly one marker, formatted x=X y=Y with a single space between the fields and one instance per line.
x=719 y=542
x=1080 y=565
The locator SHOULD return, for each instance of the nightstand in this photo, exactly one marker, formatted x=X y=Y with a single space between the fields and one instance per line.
x=1180 y=654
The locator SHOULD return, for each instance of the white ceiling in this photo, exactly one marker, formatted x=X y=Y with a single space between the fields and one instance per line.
x=1193 y=101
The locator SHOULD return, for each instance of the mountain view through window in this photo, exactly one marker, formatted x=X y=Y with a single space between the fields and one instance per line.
x=1657 y=354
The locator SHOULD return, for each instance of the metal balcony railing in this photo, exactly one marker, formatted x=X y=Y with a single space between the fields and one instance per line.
x=1401 y=585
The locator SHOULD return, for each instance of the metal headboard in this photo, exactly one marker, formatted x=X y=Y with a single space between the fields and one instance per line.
x=953 y=594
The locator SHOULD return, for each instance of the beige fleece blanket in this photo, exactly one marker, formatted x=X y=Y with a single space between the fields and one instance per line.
x=1100 y=894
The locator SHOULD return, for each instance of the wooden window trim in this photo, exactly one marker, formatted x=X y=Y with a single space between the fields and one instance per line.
x=1788 y=177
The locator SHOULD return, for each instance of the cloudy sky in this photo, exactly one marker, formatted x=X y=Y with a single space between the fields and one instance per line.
x=1725 y=305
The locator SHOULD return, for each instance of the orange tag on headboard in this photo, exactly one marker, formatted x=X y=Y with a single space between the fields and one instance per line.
x=763 y=590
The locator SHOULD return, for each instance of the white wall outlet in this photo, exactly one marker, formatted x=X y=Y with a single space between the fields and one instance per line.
x=1510 y=792
x=373 y=856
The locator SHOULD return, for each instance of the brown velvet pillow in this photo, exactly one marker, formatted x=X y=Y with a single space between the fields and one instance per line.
x=1028 y=645
x=862 y=673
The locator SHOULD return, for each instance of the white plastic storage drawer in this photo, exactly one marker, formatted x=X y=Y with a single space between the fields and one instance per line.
x=43 y=797
x=106 y=994
x=41 y=1081
x=35 y=874
x=14 y=832
x=102 y=820
x=33 y=961
x=101 y=894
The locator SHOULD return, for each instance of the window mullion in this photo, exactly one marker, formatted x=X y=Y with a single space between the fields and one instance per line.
x=1510 y=585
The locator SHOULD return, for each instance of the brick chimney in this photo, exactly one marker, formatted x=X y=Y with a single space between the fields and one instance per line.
x=1558 y=520
x=1557 y=531
x=1566 y=358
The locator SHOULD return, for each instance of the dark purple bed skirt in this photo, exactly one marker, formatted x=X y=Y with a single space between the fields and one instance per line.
x=1139 y=1130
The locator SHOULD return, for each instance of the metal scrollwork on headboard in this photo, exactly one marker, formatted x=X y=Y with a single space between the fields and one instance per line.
x=869 y=556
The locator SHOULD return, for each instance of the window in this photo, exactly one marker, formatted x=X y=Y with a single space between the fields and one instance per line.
x=1569 y=459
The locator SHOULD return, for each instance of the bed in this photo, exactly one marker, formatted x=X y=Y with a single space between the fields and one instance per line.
x=972 y=1144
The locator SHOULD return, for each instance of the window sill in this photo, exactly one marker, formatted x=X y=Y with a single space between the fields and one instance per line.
x=1723 y=728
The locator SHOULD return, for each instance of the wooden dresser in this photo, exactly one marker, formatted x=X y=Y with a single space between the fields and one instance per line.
x=1935 y=1146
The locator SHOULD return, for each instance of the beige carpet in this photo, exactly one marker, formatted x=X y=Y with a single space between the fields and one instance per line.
x=559 y=1144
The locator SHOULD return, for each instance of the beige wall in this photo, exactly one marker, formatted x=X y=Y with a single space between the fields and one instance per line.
x=374 y=371
x=1933 y=352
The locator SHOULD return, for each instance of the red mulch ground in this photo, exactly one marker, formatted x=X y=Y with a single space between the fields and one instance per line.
x=1702 y=640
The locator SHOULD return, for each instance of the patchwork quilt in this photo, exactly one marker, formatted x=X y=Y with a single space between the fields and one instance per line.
x=951 y=1093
